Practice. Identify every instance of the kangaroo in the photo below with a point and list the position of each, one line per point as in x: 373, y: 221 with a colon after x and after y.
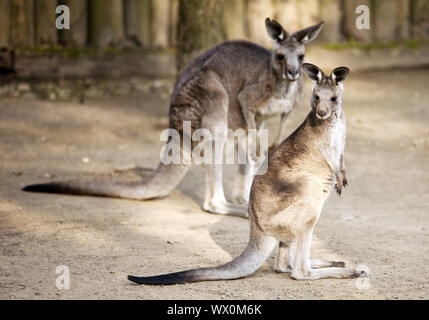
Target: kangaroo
x: 286, y: 202
x: 237, y: 84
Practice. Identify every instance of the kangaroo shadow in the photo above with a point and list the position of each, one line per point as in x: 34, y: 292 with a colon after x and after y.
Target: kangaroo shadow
x: 231, y: 234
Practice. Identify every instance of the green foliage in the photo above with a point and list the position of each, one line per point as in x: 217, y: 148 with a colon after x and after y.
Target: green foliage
x: 352, y: 44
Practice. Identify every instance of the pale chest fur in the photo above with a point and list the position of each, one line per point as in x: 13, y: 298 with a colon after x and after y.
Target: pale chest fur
x: 337, y: 139
x: 330, y: 142
x: 331, y: 145
x: 282, y: 102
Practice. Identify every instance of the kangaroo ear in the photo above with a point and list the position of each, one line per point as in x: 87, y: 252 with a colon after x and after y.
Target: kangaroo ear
x: 313, y: 72
x: 308, y: 34
x: 339, y: 74
x: 275, y: 30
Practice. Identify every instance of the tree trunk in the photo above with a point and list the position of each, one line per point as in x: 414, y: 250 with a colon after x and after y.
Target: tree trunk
x: 172, y: 31
x: 234, y: 24
x: 160, y: 23
x: 138, y: 19
x: 22, y: 23
x: 257, y: 11
x: 308, y: 13
x: 200, y: 27
x: 45, y: 16
x: 295, y: 15
x: 107, y: 23
x: 4, y: 23
x: 403, y: 19
x: 287, y: 15
x: 420, y: 19
x: 77, y: 35
x: 386, y: 20
x: 349, y: 26
x: 331, y: 14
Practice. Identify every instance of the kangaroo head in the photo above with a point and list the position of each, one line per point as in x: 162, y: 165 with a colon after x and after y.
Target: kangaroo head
x: 327, y: 90
x: 289, y: 50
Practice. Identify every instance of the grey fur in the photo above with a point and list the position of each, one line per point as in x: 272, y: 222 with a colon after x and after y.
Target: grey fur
x: 237, y: 84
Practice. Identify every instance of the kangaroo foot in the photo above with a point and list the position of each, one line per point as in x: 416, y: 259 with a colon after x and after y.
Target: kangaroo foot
x: 226, y: 208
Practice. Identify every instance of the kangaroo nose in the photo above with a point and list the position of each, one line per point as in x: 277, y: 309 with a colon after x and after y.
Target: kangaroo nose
x: 321, y: 113
x: 292, y: 73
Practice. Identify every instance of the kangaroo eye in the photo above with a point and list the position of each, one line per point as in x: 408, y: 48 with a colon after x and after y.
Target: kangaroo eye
x: 280, y: 56
x: 316, y: 97
x: 334, y: 99
x: 301, y: 57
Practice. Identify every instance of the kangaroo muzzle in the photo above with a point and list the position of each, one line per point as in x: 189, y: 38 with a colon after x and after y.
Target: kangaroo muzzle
x: 322, y: 113
x: 292, y: 73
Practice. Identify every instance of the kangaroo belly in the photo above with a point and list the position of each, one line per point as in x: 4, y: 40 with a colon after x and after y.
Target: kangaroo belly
x: 294, y: 199
x: 282, y: 102
x: 272, y: 107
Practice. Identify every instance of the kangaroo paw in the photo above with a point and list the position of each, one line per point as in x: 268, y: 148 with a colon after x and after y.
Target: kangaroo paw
x: 338, y: 189
x: 345, y: 182
x: 283, y: 269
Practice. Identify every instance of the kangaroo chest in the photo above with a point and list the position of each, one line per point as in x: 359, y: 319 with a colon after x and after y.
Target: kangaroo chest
x: 337, y: 139
x: 281, y: 102
x: 331, y: 146
x: 330, y: 143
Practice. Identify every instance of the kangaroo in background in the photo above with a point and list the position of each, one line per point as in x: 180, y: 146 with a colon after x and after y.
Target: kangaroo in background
x: 237, y: 84
x: 286, y: 202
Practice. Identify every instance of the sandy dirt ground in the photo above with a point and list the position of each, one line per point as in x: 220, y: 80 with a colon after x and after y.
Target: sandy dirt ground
x: 380, y: 222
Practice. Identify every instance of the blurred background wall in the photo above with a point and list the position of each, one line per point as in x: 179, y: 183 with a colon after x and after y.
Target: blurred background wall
x: 153, y: 24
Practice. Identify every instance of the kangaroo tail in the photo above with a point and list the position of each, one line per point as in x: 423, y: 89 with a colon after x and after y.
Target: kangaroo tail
x: 160, y: 184
x: 247, y: 263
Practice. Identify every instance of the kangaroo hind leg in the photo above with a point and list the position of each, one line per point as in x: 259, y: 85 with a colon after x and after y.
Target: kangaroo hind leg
x: 246, y: 171
x: 215, y: 120
x: 319, y: 263
x: 282, y: 264
x: 302, y: 269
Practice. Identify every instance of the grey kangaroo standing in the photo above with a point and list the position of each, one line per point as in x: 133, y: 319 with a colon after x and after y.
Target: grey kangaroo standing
x: 237, y: 84
x: 286, y: 202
